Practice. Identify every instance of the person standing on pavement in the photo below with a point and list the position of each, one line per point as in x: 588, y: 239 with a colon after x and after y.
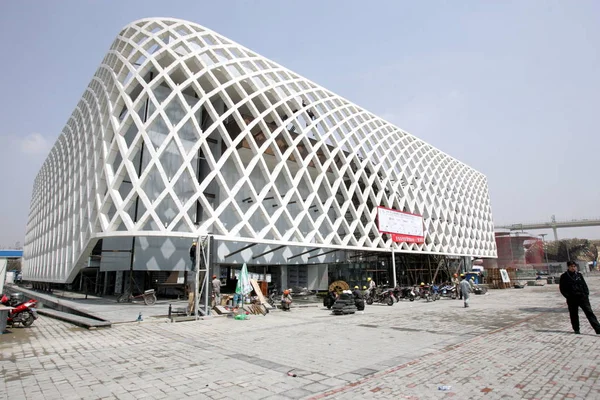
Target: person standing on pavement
x: 456, y: 283
x: 216, y: 288
x: 573, y: 287
x: 465, y: 289
x: 193, y: 255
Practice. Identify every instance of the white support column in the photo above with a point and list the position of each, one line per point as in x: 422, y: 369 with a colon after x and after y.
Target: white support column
x: 394, y: 267
x: 3, y: 264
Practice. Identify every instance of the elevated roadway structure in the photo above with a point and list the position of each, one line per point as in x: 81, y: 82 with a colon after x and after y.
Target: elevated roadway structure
x: 553, y: 224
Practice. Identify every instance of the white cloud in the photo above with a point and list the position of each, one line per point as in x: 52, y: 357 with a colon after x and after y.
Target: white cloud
x: 34, y: 143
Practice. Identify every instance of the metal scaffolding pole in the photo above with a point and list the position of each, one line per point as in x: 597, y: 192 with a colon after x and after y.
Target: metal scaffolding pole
x: 202, y: 265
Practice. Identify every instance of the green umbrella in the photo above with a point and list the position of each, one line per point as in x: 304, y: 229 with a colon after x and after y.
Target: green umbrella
x: 243, y: 286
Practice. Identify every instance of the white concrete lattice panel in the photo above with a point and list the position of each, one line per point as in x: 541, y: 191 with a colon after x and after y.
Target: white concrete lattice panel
x: 182, y: 131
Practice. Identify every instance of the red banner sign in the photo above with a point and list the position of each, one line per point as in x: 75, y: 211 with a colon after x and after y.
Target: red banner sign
x: 396, y: 237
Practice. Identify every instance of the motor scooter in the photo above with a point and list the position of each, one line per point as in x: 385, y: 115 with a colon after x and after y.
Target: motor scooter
x: 23, y: 312
x: 381, y: 295
x: 448, y: 290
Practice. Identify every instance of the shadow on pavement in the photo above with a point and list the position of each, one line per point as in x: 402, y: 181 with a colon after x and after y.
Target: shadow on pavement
x: 554, y: 310
x: 565, y: 332
x: 553, y: 331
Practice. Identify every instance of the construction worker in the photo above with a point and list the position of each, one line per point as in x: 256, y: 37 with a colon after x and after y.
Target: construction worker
x: 286, y: 300
x: 456, y: 282
x: 372, y: 284
x: 357, y: 293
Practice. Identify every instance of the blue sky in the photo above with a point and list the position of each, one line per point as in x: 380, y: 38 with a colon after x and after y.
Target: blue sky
x: 510, y: 87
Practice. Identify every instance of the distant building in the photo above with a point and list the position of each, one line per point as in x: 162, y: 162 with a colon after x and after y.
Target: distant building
x: 516, y: 249
x: 6, y: 255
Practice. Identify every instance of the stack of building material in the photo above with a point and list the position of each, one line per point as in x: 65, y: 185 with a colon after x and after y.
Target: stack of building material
x: 494, y: 278
x: 255, y: 309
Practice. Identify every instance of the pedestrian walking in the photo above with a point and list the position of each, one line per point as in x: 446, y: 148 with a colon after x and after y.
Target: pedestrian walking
x: 573, y: 287
x: 462, y: 277
x: 465, y: 290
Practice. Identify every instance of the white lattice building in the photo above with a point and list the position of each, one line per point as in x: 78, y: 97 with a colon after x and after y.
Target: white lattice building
x: 183, y: 131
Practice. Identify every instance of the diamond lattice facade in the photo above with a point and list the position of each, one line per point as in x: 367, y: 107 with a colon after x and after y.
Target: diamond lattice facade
x: 182, y: 131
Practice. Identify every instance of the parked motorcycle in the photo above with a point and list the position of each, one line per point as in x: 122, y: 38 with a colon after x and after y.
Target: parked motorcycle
x: 430, y: 292
x: 274, y: 296
x: 417, y: 292
x: 435, y: 290
x: 385, y: 296
x: 448, y: 290
x: 23, y: 312
x: 404, y: 293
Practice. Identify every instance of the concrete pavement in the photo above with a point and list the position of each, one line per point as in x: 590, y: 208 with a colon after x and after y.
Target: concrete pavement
x: 514, y: 343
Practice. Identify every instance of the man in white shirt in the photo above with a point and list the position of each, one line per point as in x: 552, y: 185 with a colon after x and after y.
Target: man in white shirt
x: 465, y: 289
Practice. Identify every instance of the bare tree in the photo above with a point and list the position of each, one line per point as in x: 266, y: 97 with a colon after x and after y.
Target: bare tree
x: 574, y: 249
x: 13, y: 264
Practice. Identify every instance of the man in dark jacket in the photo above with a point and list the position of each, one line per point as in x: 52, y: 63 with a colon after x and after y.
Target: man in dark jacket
x: 193, y: 255
x: 573, y: 287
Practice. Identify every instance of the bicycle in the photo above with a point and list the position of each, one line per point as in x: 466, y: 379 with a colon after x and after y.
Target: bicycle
x: 148, y: 296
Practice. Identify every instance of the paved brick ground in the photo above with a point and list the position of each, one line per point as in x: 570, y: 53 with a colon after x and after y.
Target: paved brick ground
x: 509, y: 344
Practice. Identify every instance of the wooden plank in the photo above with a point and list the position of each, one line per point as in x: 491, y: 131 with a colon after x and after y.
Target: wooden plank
x: 190, y: 303
x: 183, y: 318
x: 222, y: 310
x: 259, y: 293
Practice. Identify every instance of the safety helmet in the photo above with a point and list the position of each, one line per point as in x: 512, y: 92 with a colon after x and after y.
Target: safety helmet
x: 472, y: 278
x: 214, y: 277
x: 422, y: 283
x: 355, y: 287
x: 368, y: 279
x: 462, y: 274
x: 364, y: 287
x: 286, y: 291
